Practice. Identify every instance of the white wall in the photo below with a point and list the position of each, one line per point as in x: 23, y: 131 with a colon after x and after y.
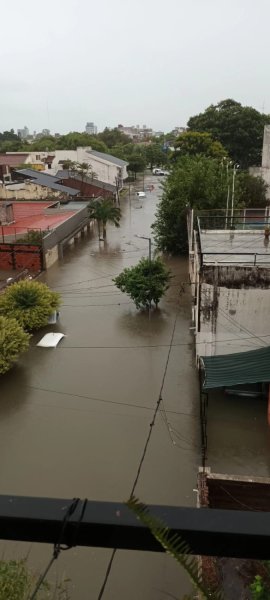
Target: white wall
x: 105, y: 170
x: 241, y: 317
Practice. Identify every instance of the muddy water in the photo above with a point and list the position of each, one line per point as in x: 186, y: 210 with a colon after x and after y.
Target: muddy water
x: 74, y: 420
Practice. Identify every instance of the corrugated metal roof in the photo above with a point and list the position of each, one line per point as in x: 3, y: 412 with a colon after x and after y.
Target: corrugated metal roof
x: 65, y: 174
x: 48, y: 181
x: 235, y: 369
x: 109, y: 158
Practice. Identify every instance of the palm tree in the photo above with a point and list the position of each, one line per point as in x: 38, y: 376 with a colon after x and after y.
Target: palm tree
x: 104, y: 210
x: 84, y: 170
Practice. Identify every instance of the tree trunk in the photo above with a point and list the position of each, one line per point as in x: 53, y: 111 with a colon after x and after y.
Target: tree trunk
x: 104, y: 230
x: 98, y: 224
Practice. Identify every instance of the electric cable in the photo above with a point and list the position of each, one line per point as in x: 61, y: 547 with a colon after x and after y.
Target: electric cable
x: 152, y: 423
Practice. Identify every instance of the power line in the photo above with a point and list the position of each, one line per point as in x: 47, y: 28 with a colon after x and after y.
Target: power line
x: 103, y: 400
x: 107, y: 574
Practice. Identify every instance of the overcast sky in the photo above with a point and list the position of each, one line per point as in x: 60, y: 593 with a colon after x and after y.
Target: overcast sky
x: 154, y: 62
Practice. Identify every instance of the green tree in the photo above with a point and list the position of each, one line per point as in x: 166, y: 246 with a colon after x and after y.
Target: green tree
x: 145, y: 283
x: 74, y: 140
x: 83, y: 170
x: 195, y: 182
x: 136, y: 164
x: 251, y: 191
x: 239, y: 128
x: 113, y: 137
x: 194, y: 142
x: 30, y: 302
x: 155, y: 155
x: 13, y: 341
x: 104, y: 211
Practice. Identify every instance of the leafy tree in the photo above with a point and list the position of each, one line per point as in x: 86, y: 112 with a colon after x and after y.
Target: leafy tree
x: 137, y: 164
x: 13, y: 341
x: 74, y: 139
x: 113, y: 137
x: 104, y: 211
x: 239, y: 128
x: 30, y: 302
x: 145, y: 283
x: 194, y: 142
x: 251, y: 191
x: 44, y: 144
x: 195, y: 182
x: 155, y: 155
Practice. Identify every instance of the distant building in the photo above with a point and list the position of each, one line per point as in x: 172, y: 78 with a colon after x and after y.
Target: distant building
x: 136, y: 133
x: 23, y: 133
x: 91, y: 128
x: 179, y: 130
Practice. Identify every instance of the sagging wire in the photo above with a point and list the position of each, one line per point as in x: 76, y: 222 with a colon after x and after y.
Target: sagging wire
x: 58, y: 547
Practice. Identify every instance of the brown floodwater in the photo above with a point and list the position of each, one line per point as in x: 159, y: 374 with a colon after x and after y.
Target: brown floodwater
x: 74, y: 420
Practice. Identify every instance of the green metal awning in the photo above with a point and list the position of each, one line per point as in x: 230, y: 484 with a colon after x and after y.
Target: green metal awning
x: 234, y: 369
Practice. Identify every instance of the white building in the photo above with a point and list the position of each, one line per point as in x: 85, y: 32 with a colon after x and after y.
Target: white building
x: 107, y: 168
x: 91, y: 128
x: 23, y: 133
x: 230, y: 282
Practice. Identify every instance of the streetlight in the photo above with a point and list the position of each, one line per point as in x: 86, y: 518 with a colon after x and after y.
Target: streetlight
x: 235, y: 167
x: 142, y: 237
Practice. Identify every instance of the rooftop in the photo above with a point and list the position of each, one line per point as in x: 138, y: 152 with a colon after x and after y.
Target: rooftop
x: 246, y: 247
x: 109, y: 158
x: 47, y: 180
x: 32, y: 215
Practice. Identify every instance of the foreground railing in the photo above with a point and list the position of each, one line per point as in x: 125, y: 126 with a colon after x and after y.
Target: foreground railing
x: 212, y: 532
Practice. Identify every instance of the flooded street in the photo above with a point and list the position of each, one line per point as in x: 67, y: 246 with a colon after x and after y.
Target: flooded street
x: 75, y: 420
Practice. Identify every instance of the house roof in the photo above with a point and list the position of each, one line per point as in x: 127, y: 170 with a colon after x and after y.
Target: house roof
x: 109, y: 158
x: 235, y: 369
x: 49, y: 181
x: 65, y: 174
x: 13, y: 160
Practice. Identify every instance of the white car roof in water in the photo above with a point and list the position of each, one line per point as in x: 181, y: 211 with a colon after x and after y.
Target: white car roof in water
x: 50, y: 340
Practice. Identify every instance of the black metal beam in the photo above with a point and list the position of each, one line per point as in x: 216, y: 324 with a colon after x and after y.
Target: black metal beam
x: 213, y: 532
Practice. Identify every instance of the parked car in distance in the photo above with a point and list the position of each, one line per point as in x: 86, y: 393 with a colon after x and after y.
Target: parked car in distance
x: 141, y: 194
x: 160, y: 172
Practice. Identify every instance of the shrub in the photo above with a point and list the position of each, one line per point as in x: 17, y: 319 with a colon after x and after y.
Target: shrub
x: 13, y: 341
x: 145, y: 282
x: 30, y: 302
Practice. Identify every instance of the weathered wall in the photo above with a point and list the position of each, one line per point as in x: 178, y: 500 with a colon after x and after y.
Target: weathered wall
x: 21, y: 256
x: 6, y: 213
x: 51, y: 256
x: 28, y: 191
x: 232, y: 319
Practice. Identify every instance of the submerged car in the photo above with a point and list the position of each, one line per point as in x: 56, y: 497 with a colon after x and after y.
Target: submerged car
x: 141, y: 194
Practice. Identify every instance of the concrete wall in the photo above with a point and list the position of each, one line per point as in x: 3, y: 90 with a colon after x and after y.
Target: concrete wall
x: 28, y: 191
x: 232, y: 320
x: 65, y: 229
x: 105, y: 171
x: 51, y: 257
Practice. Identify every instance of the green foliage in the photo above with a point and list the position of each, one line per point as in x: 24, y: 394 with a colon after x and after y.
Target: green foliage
x: 113, y: 137
x: 195, y: 182
x: 173, y: 545
x: 137, y: 163
x: 30, y: 302
x: 194, y: 142
x: 259, y: 591
x: 104, y: 211
x: 17, y: 582
x: 155, y: 156
x: 251, y: 191
x: 13, y: 341
x: 239, y: 128
x: 33, y: 236
x: 145, y: 282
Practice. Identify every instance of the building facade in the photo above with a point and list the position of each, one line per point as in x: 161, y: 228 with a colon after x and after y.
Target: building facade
x: 91, y: 128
